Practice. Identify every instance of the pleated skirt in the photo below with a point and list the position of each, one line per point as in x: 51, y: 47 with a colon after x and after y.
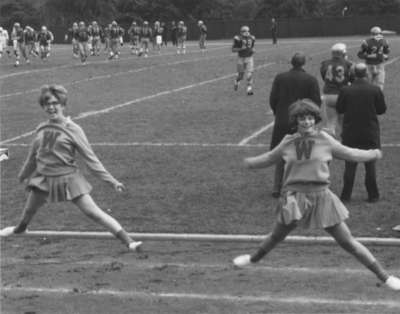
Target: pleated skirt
x: 311, y: 210
x: 61, y: 188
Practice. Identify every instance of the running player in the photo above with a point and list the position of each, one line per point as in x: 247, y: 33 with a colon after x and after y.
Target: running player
x: 31, y: 44
x: 96, y: 33
x: 336, y: 73
x: 307, y: 199
x: 51, y: 172
x: 181, y: 34
x: 375, y: 51
x: 158, y: 32
x: 44, y: 38
x: 73, y: 34
x: 146, y: 34
x: 82, y: 38
x: 203, y: 35
x: 243, y: 44
x: 17, y: 37
x: 134, y: 37
x: 116, y: 33
x: 3, y: 41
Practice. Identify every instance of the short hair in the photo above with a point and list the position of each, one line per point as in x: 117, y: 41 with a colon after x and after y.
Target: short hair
x: 360, y: 70
x: 298, y: 60
x: 303, y: 107
x: 58, y: 91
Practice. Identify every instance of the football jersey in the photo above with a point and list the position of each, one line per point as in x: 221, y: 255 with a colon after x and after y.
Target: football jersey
x: 203, y: 29
x: 374, y: 50
x: 44, y: 38
x: 116, y: 32
x: 246, y: 42
x: 336, y: 73
x: 30, y: 36
x: 95, y: 31
x: 182, y: 31
x: 146, y: 32
x: 83, y: 34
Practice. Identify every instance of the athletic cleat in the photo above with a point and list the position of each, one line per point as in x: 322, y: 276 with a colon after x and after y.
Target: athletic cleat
x: 250, y: 91
x: 242, y: 260
x: 393, y: 283
x: 235, y: 85
x: 7, y: 231
x: 135, y: 246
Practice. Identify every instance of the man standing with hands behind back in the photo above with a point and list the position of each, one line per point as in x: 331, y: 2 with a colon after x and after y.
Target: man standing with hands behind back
x: 286, y: 88
x: 360, y: 104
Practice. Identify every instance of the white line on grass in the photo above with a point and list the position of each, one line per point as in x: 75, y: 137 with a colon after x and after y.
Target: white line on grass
x: 138, y: 100
x: 175, y: 144
x: 301, y: 300
x: 246, y: 140
x: 216, y: 266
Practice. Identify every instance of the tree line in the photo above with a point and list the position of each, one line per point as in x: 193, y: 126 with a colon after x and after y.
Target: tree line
x: 63, y: 13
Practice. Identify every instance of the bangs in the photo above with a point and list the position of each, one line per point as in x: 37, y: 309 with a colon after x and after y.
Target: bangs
x: 302, y: 108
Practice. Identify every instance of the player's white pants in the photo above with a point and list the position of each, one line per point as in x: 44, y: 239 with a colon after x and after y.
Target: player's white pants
x: 331, y: 120
x: 376, y: 74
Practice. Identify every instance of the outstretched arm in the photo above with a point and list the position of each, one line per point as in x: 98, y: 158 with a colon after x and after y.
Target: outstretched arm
x: 270, y: 158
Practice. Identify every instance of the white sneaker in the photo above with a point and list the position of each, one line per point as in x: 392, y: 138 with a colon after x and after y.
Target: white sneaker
x: 396, y: 228
x: 135, y: 245
x: 249, y: 91
x: 393, y: 283
x: 7, y: 231
x: 242, y: 260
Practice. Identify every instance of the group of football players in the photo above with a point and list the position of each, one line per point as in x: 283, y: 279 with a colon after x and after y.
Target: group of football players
x: 26, y: 42
x: 87, y: 40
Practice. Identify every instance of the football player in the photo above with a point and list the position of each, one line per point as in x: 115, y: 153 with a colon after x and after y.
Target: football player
x: 181, y: 33
x: 134, y: 36
x: 158, y: 31
x: 96, y: 33
x: 116, y: 33
x: 30, y: 43
x: 375, y: 51
x: 243, y: 44
x: 73, y: 35
x: 335, y: 72
x: 17, y: 37
x: 44, y: 38
x: 203, y: 35
x: 146, y: 33
x: 83, y: 38
x: 3, y: 40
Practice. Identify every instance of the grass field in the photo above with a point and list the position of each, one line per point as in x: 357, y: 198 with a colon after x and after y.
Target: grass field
x: 174, y: 131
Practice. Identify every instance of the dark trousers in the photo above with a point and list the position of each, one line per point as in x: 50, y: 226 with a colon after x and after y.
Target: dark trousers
x: 278, y: 176
x: 370, y: 180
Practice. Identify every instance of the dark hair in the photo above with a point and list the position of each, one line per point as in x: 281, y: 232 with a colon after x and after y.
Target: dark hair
x: 298, y: 60
x: 303, y: 107
x: 57, y: 91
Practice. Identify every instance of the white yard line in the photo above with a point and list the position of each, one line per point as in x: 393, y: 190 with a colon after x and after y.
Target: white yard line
x: 177, y: 144
x: 138, y: 100
x: 246, y: 140
x: 301, y: 300
x: 9, y: 261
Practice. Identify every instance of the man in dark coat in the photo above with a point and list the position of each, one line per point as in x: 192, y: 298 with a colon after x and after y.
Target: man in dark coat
x: 288, y: 87
x: 360, y: 104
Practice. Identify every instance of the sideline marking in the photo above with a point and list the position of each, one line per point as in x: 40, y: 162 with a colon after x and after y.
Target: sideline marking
x: 160, y: 265
x: 256, y: 134
x: 137, y: 100
x: 176, y: 144
x: 303, y: 300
